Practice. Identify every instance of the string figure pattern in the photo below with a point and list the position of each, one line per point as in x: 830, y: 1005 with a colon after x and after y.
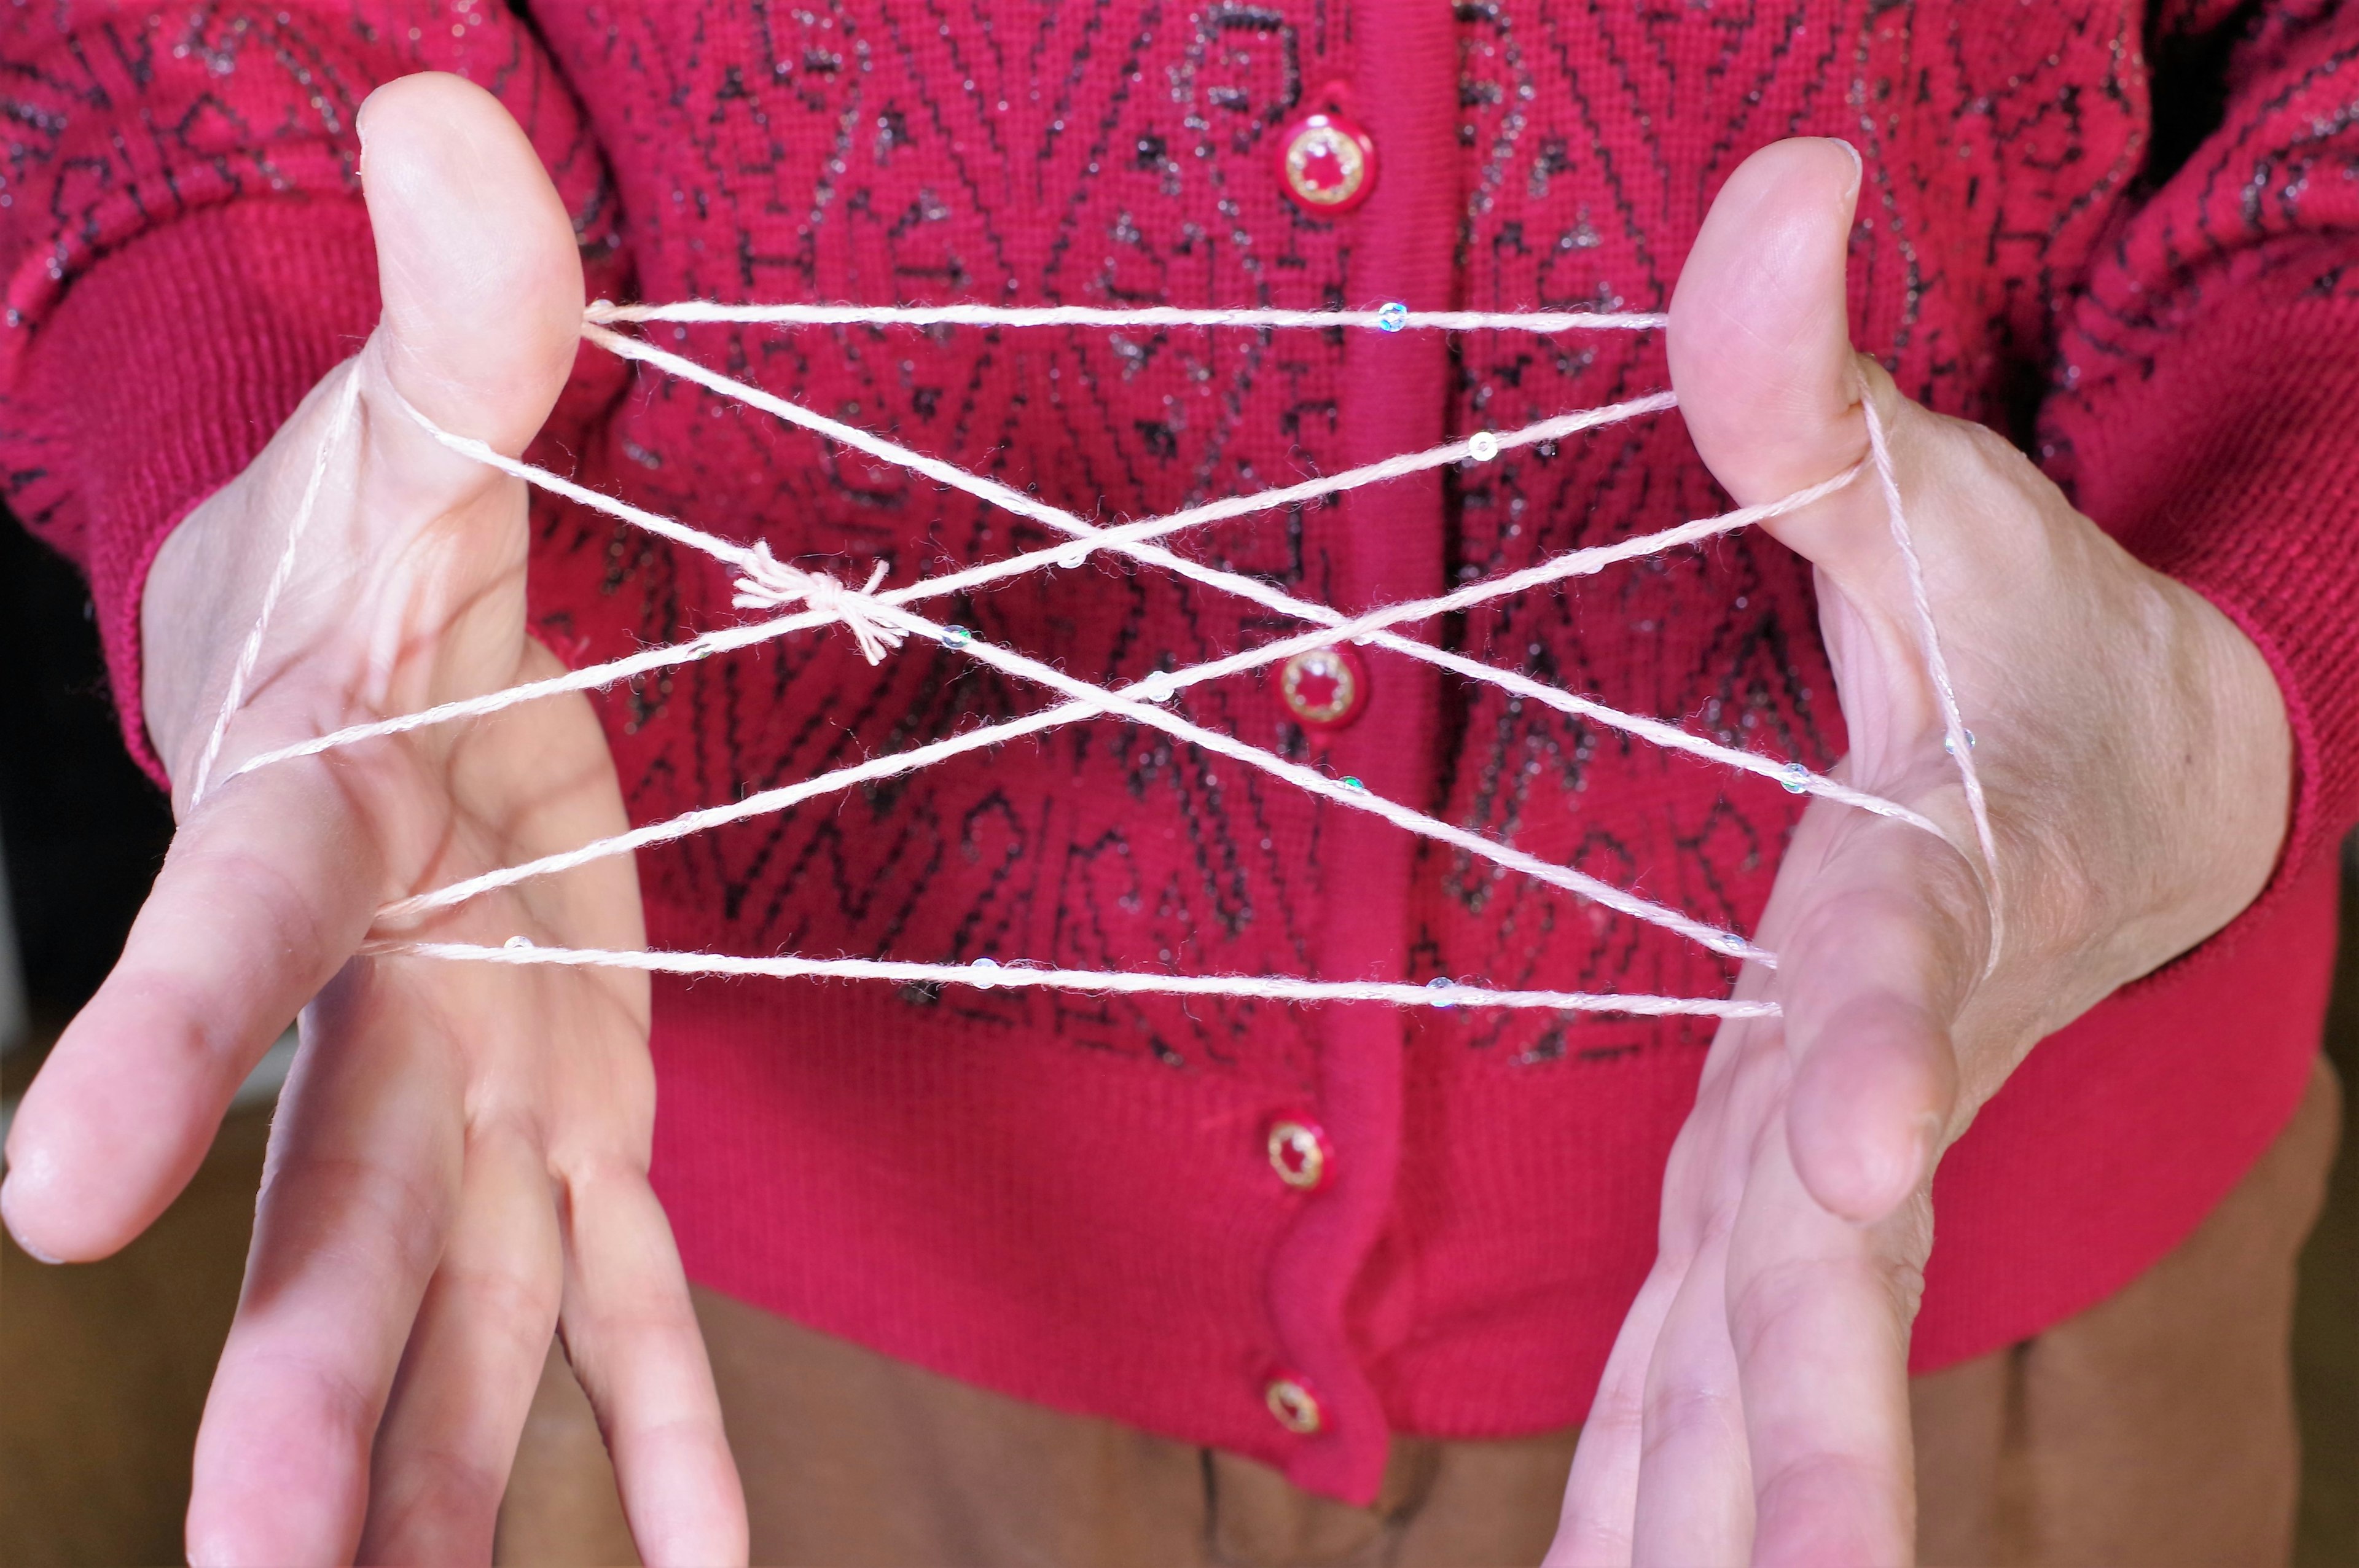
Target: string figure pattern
x: 882, y: 620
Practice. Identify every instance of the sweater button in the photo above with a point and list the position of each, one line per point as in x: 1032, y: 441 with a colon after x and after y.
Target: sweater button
x: 1324, y: 688
x: 1299, y: 1154
x: 1326, y: 163
x: 1292, y: 1403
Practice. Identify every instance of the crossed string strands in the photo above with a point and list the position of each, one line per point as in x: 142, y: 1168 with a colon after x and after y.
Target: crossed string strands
x: 881, y: 622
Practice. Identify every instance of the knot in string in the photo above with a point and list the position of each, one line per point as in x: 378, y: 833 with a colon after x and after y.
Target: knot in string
x: 770, y: 583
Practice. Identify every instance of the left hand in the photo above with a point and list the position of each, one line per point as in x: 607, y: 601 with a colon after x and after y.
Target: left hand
x: 2134, y: 748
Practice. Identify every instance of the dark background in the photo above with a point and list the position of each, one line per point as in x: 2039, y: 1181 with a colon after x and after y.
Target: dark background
x: 103, y: 1368
x: 82, y: 829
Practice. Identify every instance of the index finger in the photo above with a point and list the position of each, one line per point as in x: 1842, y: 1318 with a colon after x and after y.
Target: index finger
x: 264, y: 894
x: 1818, y: 1312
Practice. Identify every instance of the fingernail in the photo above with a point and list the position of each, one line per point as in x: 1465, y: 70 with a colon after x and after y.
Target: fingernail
x: 17, y: 1236
x: 1858, y: 165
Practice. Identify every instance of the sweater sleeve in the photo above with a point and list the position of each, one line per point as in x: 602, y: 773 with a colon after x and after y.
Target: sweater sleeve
x: 2208, y: 371
x: 185, y: 252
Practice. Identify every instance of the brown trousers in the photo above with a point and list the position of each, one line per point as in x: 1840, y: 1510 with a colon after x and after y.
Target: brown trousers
x: 2155, y: 1428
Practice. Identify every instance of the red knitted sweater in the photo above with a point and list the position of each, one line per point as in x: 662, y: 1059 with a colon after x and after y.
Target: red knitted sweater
x: 2125, y: 238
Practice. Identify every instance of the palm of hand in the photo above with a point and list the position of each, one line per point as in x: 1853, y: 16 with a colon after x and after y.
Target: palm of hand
x: 425, y: 1235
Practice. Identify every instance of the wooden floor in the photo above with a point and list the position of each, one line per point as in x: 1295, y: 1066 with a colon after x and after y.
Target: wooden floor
x: 103, y: 1368
x: 2326, y: 1322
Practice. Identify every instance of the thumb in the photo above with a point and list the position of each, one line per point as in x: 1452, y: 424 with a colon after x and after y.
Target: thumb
x: 1759, y: 348
x: 480, y: 277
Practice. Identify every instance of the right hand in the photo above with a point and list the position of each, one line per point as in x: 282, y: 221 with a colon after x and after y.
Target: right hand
x: 459, y: 1164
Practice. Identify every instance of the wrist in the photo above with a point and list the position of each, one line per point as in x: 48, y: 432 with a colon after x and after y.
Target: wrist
x: 163, y: 370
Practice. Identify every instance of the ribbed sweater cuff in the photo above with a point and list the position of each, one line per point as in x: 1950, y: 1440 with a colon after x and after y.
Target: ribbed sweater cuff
x: 2233, y: 467
x: 167, y: 366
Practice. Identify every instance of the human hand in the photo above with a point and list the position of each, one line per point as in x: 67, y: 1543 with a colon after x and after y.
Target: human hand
x: 2136, y: 758
x: 459, y: 1161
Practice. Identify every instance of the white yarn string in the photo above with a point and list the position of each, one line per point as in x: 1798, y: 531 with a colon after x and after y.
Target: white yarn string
x: 1316, y: 783
x: 589, y: 678
x: 1262, y: 593
x: 1953, y: 723
x: 877, y: 625
x: 242, y: 674
x: 1127, y: 702
x: 1014, y: 976
x: 956, y: 582
x: 767, y: 582
x: 1369, y: 627
x: 1273, y: 599
x: 603, y: 311
x: 1417, y: 822
x: 1009, y: 499
x: 1117, y: 537
x: 1312, y: 782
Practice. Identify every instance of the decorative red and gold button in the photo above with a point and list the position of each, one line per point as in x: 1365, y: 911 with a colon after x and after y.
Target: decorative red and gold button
x: 1325, y: 688
x: 1298, y: 1153
x: 1292, y: 1404
x: 1326, y: 163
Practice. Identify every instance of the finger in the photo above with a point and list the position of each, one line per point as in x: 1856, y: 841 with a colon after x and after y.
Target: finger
x: 1695, y: 1484
x: 475, y: 1353
x: 1818, y: 1312
x: 1777, y: 401
x: 1760, y: 355
x: 630, y: 1335
x: 260, y: 900
x: 1598, y: 1522
x: 476, y: 259
x: 1703, y: 1179
x: 1759, y: 343
x: 1875, y: 966
x: 363, y: 1175
x: 1693, y: 1493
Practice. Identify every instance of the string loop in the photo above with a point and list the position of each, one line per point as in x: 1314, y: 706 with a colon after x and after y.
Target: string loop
x: 879, y: 624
